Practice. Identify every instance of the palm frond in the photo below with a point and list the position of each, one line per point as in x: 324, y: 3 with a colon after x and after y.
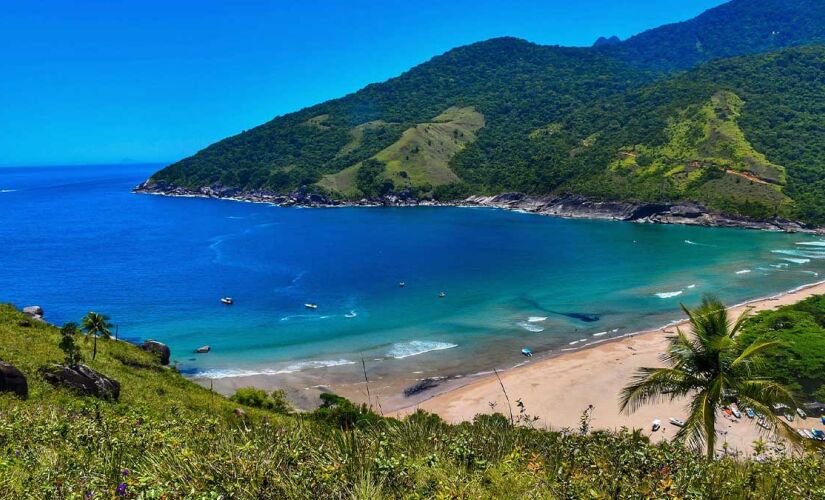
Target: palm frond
x: 654, y: 385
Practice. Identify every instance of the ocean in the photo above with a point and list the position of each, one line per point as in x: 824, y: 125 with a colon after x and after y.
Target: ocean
x: 75, y: 239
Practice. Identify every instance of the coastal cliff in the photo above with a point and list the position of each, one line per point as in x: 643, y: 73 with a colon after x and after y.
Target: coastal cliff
x: 569, y: 206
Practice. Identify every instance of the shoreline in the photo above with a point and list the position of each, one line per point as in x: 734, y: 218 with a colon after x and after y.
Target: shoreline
x: 559, y: 388
x: 389, y: 393
x: 563, y: 206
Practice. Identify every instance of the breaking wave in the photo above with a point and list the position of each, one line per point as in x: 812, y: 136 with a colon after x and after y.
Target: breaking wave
x: 403, y: 350
x: 667, y: 295
x: 531, y: 327
x: 536, y: 319
x: 295, y: 367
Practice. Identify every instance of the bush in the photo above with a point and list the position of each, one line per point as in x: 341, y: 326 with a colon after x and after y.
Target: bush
x: 258, y: 398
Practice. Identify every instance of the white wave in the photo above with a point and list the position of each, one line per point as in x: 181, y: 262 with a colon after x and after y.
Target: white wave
x: 351, y: 314
x: 781, y: 265
x: 305, y: 316
x: 295, y: 367
x: 812, y: 273
x: 667, y: 295
x: 530, y: 327
x: 796, y: 261
x: 403, y: 350
x: 692, y: 286
x: 743, y: 271
x: 536, y: 319
x: 7, y: 190
x: 599, y: 334
x: 812, y: 243
x: 574, y: 342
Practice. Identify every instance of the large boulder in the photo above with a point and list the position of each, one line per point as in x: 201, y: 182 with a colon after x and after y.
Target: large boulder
x: 158, y: 348
x: 82, y: 379
x: 13, y: 380
x: 34, y: 312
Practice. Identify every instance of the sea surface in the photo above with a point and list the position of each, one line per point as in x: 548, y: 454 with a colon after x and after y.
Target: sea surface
x: 75, y: 239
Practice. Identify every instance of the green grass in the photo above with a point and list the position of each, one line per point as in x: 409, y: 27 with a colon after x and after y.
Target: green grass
x: 168, y: 438
x: 421, y: 156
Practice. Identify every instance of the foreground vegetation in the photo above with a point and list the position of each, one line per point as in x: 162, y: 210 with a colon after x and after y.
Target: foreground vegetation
x: 168, y: 438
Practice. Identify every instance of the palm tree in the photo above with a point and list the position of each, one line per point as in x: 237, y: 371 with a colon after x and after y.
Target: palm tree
x: 710, y: 366
x: 96, y: 324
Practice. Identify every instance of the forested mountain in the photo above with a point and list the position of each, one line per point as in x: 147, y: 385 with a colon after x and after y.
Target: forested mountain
x: 617, y: 121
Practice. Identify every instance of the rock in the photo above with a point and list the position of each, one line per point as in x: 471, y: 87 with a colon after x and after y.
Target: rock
x: 33, y: 311
x: 239, y: 413
x: 82, y: 379
x: 13, y: 380
x: 24, y: 323
x: 158, y: 348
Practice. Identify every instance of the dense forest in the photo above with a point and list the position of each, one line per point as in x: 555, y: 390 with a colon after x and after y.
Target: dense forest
x: 632, y: 120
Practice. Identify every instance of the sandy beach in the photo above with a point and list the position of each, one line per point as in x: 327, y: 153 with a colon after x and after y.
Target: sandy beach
x: 558, y: 390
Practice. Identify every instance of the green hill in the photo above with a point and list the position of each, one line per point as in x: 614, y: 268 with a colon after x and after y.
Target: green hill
x: 534, y: 104
x: 169, y: 438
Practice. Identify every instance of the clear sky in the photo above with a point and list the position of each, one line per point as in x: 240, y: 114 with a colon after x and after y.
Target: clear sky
x: 96, y: 81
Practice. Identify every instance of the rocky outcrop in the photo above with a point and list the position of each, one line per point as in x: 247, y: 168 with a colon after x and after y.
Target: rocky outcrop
x: 34, y: 312
x: 160, y: 349
x: 13, y: 380
x: 575, y: 206
x: 83, y: 380
x: 572, y: 206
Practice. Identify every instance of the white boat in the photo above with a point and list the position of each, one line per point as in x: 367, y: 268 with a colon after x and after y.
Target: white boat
x: 677, y: 422
x: 402, y: 284
x: 441, y: 295
x: 350, y: 314
x: 203, y: 349
x: 311, y: 306
x: 657, y: 424
x: 801, y: 413
x: 227, y: 300
x: 527, y: 352
x: 735, y: 410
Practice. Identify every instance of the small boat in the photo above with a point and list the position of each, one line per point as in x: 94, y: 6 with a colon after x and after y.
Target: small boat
x: 677, y: 422
x: 203, y: 349
x: 818, y: 434
x: 735, y: 410
x: 657, y: 424
x: 527, y: 352
x: 441, y: 295
x: 227, y: 300
x: 789, y: 417
x: 351, y: 314
x: 402, y: 284
x: 749, y: 412
x: 801, y: 413
x: 311, y: 306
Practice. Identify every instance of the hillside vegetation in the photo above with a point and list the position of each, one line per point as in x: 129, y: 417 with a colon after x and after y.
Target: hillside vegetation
x: 741, y: 135
x: 169, y: 438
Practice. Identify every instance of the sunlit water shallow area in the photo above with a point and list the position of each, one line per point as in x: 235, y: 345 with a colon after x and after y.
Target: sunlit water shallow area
x: 75, y: 239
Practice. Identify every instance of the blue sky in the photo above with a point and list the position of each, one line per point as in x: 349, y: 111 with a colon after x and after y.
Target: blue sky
x: 98, y: 81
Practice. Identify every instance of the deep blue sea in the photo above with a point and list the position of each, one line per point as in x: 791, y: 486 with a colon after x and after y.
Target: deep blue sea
x: 74, y: 239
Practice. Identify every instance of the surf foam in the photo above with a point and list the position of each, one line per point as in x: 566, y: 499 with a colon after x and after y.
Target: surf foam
x: 403, y: 350
x: 667, y: 295
x: 531, y: 327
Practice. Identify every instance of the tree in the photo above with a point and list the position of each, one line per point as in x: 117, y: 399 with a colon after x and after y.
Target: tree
x: 67, y: 345
x: 710, y: 367
x: 96, y: 324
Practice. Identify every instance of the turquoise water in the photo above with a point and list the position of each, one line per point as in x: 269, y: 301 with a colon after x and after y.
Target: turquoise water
x: 75, y: 239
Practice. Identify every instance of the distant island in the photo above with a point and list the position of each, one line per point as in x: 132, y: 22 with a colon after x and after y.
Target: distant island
x: 726, y: 120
